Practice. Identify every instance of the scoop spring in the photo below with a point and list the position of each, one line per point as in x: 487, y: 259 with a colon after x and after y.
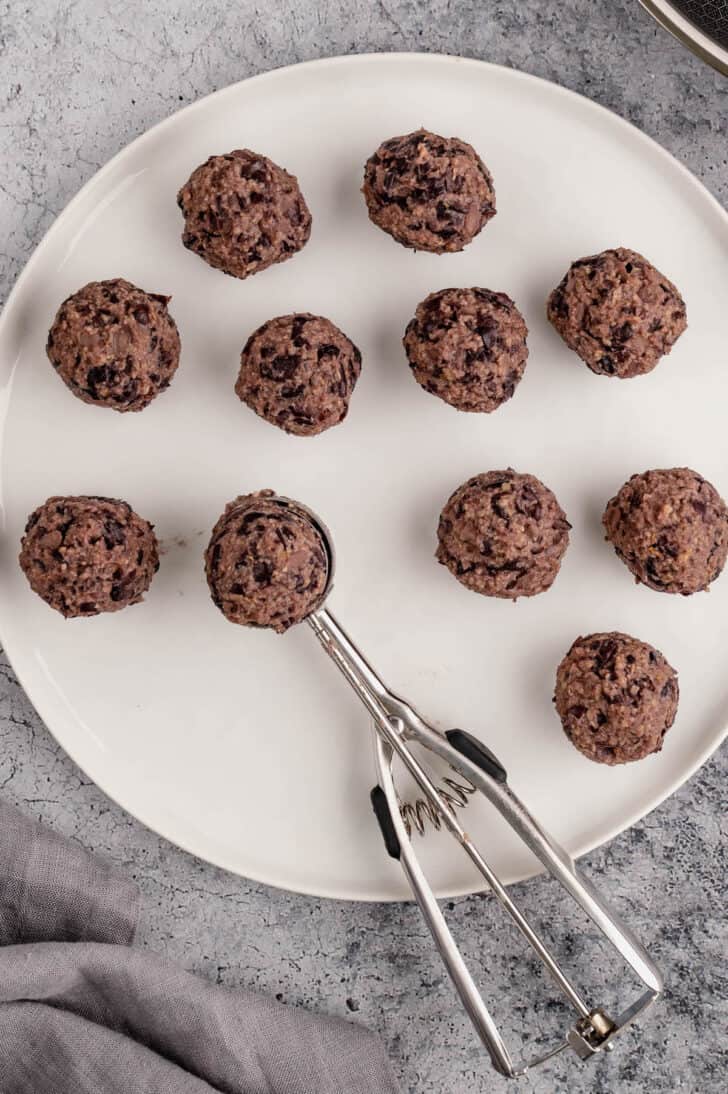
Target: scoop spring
x: 453, y: 792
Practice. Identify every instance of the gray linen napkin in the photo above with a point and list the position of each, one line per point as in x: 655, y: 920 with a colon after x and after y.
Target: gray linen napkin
x: 81, y: 1012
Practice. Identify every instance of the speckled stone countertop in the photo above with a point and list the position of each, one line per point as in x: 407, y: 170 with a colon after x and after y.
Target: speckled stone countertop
x: 78, y: 80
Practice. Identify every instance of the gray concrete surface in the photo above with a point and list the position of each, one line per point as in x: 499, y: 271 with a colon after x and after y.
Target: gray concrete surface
x: 78, y: 80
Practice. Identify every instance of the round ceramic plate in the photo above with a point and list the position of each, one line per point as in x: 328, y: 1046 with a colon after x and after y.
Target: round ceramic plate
x: 245, y: 747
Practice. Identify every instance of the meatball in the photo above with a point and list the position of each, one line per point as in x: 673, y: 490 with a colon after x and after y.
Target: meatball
x: 616, y: 697
x: 266, y: 563
x: 670, y: 528
x: 114, y: 345
x: 503, y: 534
x: 430, y: 193
x: 618, y: 312
x: 243, y: 213
x: 298, y: 372
x: 468, y: 347
x: 86, y: 555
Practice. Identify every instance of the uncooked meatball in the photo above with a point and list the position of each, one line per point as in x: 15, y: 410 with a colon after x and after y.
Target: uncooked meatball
x: 298, y: 372
x: 503, y: 534
x: 616, y: 697
x: 114, y: 345
x: 670, y: 527
x: 468, y: 347
x: 618, y: 312
x: 266, y: 563
x: 428, y: 192
x: 243, y: 213
x: 86, y: 555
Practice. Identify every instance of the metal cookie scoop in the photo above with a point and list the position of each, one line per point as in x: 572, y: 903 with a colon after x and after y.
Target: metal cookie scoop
x: 397, y: 724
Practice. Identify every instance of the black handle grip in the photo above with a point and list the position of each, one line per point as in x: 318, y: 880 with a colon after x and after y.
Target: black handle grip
x: 380, y: 805
x: 475, y: 751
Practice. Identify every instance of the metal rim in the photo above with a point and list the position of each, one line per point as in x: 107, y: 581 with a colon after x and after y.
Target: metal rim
x: 668, y: 16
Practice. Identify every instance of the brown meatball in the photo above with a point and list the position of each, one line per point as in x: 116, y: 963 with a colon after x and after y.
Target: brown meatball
x: 298, y: 372
x: 503, y: 534
x: 618, y: 312
x: 670, y: 527
x: 266, y: 563
x: 468, y: 347
x: 85, y: 555
x: 428, y: 192
x: 616, y: 697
x: 114, y: 345
x: 243, y: 213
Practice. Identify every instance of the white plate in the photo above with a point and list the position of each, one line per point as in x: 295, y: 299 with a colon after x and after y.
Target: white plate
x: 244, y: 747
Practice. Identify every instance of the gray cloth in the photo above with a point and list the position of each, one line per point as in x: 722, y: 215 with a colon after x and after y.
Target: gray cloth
x: 82, y: 1012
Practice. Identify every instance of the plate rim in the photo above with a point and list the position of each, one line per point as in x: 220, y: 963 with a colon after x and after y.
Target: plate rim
x: 353, y: 59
